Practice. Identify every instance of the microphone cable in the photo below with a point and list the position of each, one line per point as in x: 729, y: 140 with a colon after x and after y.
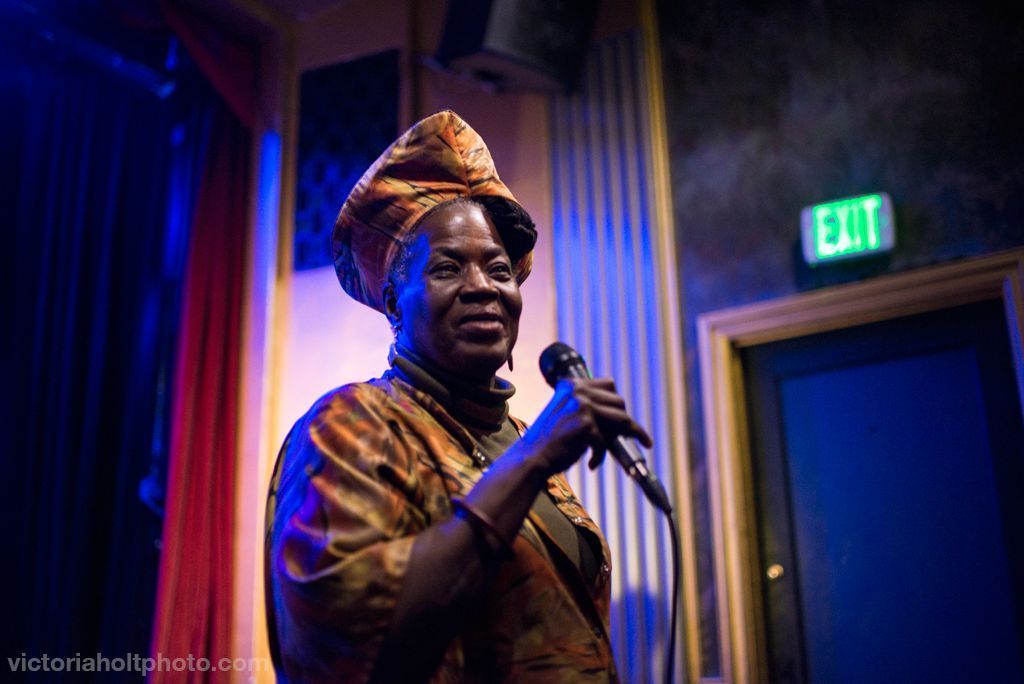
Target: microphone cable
x: 670, y: 656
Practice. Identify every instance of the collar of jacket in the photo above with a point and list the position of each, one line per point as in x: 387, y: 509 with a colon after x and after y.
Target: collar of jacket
x: 483, y: 407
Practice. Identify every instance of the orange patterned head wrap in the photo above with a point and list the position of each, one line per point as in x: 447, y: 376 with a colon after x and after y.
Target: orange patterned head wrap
x: 439, y: 159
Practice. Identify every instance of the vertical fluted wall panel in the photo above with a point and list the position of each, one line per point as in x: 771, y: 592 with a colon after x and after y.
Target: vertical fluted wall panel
x: 607, y: 291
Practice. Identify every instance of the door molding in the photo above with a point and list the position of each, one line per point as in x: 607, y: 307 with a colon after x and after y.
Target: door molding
x: 722, y: 334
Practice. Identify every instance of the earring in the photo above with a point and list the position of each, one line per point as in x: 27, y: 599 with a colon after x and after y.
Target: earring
x: 510, y: 362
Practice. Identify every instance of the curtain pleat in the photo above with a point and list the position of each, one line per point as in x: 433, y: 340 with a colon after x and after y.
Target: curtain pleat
x: 193, y: 614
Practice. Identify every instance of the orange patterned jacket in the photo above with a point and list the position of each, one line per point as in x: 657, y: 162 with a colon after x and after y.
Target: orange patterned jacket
x: 366, y: 469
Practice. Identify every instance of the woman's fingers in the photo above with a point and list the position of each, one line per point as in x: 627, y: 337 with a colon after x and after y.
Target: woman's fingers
x: 600, y: 396
x: 615, y: 421
x: 604, y: 397
x: 583, y: 413
x: 641, y: 434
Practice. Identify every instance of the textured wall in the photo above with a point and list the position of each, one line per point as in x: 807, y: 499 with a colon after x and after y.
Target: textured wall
x: 776, y: 105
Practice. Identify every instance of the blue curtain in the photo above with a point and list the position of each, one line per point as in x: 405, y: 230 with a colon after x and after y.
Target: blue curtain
x: 96, y: 183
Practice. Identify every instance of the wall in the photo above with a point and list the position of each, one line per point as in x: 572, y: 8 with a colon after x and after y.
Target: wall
x: 773, y: 106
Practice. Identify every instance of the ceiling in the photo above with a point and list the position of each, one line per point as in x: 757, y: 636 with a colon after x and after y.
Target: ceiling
x: 299, y: 9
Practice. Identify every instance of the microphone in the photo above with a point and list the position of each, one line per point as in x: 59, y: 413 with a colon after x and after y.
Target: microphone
x: 560, y: 361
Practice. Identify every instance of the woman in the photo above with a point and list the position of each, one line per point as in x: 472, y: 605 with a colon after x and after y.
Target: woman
x: 416, y: 532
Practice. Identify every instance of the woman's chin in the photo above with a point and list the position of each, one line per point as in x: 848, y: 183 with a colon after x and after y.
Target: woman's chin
x: 481, y: 361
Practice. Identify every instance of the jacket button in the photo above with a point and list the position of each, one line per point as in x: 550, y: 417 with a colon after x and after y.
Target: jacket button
x: 481, y: 460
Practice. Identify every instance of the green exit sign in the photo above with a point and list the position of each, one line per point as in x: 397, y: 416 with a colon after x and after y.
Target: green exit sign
x: 847, y: 228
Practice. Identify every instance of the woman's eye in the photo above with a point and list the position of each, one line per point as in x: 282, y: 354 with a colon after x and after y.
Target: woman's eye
x: 445, y: 269
x: 501, y: 270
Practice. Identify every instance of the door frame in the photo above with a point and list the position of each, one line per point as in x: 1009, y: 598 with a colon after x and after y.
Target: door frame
x: 722, y: 334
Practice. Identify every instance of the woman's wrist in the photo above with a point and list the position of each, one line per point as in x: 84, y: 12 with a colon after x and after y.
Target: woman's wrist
x: 508, y: 489
x: 532, y: 460
x: 483, y: 525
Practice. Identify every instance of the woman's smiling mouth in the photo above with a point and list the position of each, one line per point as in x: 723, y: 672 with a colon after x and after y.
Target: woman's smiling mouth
x: 483, y: 322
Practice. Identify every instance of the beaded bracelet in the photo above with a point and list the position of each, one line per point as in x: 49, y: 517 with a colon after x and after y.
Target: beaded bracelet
x: 481, y: 521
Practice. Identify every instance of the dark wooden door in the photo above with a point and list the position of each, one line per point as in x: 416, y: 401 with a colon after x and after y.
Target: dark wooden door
x: 889, y: 484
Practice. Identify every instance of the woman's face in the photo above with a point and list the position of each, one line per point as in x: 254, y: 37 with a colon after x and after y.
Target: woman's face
x: 459, y: 305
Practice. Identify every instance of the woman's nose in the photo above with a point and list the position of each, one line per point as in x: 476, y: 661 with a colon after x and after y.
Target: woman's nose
x: 477, y: 282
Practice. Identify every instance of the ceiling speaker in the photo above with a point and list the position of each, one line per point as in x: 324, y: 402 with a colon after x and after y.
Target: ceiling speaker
x: 518, y: 44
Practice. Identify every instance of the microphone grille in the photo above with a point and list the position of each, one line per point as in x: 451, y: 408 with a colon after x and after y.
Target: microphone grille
x: 556, y: 360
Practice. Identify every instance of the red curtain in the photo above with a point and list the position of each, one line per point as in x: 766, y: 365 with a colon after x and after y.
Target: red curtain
x: 195, y: 587
x: 227, y: 62
x: 194, y: 593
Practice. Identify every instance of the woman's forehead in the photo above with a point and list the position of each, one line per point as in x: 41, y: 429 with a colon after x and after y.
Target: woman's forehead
x: 454, y: 217
x: 458, y: 227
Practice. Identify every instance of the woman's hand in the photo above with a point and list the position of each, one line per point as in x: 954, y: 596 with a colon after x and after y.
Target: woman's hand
x: 582, y: 413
